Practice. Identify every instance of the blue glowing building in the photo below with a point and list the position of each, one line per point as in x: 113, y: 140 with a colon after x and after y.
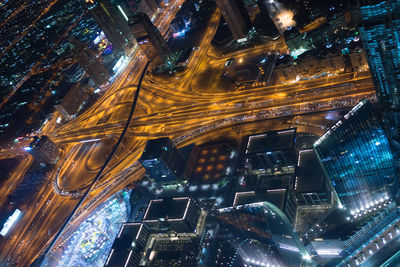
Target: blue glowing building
x: 355, y: 155
x: 380, y: 32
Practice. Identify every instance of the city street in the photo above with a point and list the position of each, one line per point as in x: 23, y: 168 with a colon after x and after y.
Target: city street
x: 175, y: 109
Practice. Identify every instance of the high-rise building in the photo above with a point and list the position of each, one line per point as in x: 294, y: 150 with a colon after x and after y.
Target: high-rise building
x: 265, y: 68
x: 144, y: 7
x: 380, y: 32
x: 355, y: 155
x: 172, y: 250
x: 233, y: 17
x: 268, y: 162
x: 162, y: 161
x: 149, y: 7
x: 310, y: 186
x: 114, y: 23
x: 43, y: 150
x: 263, y: 224
x: 72, y: 101
x: 282, y: 17
x: 137, y: 245
x: 176, y: 214
x: 152, y: 4
x: 88, y: 61
x: 269, y: 159
x: 282, y: 198
x: 128, y: 246
x: 296, y: 41
x: 149, y: 38
x: 190, y: 153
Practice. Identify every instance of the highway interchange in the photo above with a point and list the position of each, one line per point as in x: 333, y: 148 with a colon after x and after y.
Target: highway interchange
x: 165, y: 108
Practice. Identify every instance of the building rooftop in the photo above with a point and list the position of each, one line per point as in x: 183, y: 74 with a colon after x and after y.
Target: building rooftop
x: 168, y: 209
x: 37, y: 141
x: 309, y: 174
x: 274, y: 196
x: 123, y: 244
x: 271, y: 141
x: 212, y: 164
x: 155, y: 148
x: 172, y: 250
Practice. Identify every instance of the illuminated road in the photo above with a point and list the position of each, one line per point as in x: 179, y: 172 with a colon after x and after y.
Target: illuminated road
x: 175, y: 109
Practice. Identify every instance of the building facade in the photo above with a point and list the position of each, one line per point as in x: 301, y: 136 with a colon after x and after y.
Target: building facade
x: 72, y: 101
x: 114, y: 24
x: 233, y: 17
x: 355, y: 155
x: 88, y: 61
x: 179, y: 214
x: 380, y: 33
x: 163, y: 161
x: 310, y: 186
x: 269, y: 159
x: 262, y: 223
x: 149, y: 38
x: 43, y: 150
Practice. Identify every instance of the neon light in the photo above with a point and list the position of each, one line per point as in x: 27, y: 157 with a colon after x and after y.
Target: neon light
x: 276, y: 190
x: 127, y: 260
x: 242, y: 193
x: 327, y: 252
x: 148, y: 208
x: 123, y: 13
x: 298, y: 52
x: 187, y: 206
x: 109, y: 257
x: 289, y: 247
x: 180, y: 198
x: 138, y: 233
x: 97, y: 39
x: 90, y: 140
x: 120, y: 231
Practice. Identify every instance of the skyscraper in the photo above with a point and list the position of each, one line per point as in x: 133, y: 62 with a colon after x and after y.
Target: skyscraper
x: 162, y: 160
x: 88, y: 61
x: 310, y: 186
x: 261, y: 223
x: 114, y: 24
x: 149, y: 38
x: 269, y: 159
x: 233, y: 18
x: 355, y: 155
x: 128, y: 246
x: 380, y: 33
x: 43, y: 150
x: 149, y: 7
x: 72, y: 101
x: 152, y: 4
x: 172, y: 214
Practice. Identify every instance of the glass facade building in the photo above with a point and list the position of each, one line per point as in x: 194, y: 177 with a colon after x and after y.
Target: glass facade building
x: 264, y: 236
x: 355, y: 155
x: 380, y: 32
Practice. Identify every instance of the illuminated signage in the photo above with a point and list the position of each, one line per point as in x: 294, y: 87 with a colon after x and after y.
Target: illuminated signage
x: 119, y: 64
x: 99, y: 38
x: 10, y: 222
